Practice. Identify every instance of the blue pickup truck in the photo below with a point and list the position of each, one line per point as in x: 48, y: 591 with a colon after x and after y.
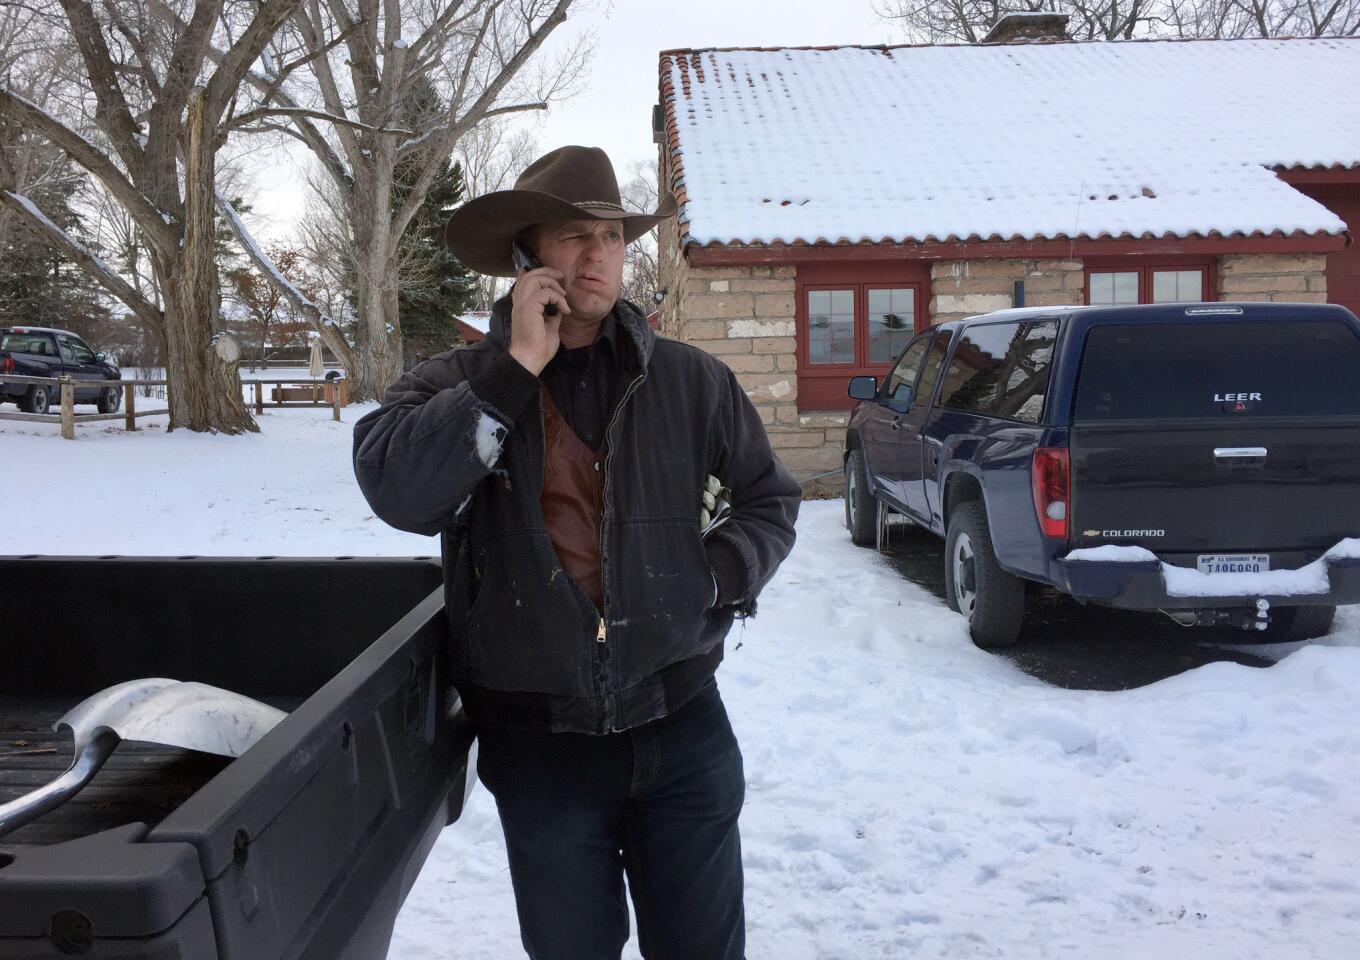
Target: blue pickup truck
x: 50, y: 352
x: 1198, y: 459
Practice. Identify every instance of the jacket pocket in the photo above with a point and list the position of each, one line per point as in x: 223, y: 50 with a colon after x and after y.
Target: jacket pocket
x: 528, y: 630
x: 660, y: 604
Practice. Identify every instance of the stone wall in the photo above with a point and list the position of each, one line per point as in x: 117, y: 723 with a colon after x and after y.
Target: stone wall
x: 1298, y: 277
x: 745, y: 317
x: 964, y: 288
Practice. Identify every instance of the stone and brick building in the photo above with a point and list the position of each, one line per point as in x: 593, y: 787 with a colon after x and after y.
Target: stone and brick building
x: 837, y: 200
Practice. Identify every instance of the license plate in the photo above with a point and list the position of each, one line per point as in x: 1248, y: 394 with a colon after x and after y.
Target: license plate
x: 1234, y: 562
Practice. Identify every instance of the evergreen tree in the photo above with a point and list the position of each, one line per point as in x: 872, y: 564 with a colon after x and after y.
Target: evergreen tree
x: 428, y: 308
x: 38, y: 285
x: 435, y: 287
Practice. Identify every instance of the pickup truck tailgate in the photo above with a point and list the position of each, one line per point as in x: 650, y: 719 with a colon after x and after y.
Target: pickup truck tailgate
x: 1192, y: 488
x: 1218, y: 437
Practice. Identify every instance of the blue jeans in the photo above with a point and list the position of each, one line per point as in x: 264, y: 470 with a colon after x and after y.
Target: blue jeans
x: 658, y: 802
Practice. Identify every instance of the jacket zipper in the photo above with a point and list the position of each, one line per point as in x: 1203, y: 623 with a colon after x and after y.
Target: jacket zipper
x: 604, y: 497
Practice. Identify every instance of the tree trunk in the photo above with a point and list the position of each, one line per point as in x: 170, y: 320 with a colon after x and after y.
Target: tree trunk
x: 377, y: 361
x: 207, y: 389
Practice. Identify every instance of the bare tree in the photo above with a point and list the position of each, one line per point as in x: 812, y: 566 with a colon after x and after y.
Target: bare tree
x: 327, y: 244
x: 494, y: 154
x: 967, y: 21
x: 374, y: 65
x: 161, y: 116
x: 641, y: 267
x: 267, y: 316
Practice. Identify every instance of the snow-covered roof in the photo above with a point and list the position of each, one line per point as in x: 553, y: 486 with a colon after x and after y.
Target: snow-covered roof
x: 479, y: 320
x: 1007, y: 141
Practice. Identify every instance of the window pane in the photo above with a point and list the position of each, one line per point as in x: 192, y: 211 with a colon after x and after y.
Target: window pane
x: 1114, y: 288
x: 930, y: 373
x: 977, y: 366
x: 892, y: 322
x: 904, y: 374
x: 76, y: 352
x: 1177, y: 286
x: 1165, y: 371
x: 1024, y: 381
x: 831, y: 326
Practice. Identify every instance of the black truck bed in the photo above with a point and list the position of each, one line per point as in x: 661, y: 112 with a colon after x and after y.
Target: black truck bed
x: 304, y: 846
x: 139, y: 782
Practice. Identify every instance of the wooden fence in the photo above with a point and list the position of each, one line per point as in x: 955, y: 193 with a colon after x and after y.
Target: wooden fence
x: 331, y: 393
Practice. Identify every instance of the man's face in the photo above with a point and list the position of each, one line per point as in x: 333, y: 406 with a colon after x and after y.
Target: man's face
x: 590, y: 255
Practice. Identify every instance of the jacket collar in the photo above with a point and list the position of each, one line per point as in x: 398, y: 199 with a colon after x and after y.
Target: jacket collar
x: 628, y: 317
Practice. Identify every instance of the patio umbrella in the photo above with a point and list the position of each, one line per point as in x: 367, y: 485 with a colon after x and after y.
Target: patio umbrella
x: 315, y: 366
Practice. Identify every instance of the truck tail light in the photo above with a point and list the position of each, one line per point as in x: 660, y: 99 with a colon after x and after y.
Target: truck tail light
x: 1051, y: 475
x: 7, y: 364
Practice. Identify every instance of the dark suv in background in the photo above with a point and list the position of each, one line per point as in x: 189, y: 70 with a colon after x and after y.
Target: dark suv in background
x: 1198, y: 459
x: 50, y: 352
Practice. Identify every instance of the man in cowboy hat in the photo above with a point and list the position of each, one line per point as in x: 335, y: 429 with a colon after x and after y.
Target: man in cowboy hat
x: 564, y: 460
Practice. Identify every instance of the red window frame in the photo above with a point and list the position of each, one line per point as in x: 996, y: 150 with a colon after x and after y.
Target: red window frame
x: 1146, y: 268
x: 822, y: 386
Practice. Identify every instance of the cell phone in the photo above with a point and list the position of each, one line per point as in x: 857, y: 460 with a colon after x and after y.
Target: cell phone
x: 525, y: 260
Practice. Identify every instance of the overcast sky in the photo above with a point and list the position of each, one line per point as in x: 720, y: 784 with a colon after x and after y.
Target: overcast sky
x: 614, y: 109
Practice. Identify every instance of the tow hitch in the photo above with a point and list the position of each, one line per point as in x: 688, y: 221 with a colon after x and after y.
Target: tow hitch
x: 1244, y: 618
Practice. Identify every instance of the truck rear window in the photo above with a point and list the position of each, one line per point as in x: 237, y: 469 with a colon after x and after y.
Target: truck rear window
x: 1289, y: 368
x: 39, y: 343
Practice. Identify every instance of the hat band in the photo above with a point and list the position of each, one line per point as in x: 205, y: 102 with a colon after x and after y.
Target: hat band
x: 608, y: 205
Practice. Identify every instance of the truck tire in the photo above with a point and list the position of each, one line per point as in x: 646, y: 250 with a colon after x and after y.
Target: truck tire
x: 37, y: 400
x: 975, y: 585
x: 861, y: 507
x: 1296, y: 624
x: 109, y: 400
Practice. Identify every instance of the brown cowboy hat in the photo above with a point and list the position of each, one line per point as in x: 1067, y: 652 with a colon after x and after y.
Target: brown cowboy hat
x: 571, y: 183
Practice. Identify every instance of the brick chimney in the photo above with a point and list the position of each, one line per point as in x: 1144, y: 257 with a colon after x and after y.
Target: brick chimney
x: 1028, y: 28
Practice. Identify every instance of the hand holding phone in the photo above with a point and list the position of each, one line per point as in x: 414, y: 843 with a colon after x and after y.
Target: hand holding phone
x: 525, y: 261
x: 537, y: 304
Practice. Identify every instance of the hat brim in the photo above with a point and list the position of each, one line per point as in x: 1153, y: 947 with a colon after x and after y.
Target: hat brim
x: 480, y: 231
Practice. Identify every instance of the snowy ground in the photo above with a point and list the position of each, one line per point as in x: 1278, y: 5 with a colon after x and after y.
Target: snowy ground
x: 908, y: 794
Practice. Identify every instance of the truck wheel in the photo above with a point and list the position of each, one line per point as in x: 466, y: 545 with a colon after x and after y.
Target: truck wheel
x: 109, y: 400
x: 36, y: 400
x: 1296, y: 624
x: 976, y: 586
x: 861, y: 507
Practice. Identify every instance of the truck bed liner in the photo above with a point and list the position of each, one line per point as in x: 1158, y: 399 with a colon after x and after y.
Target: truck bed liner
x: 304, y: 846
x: 139, y: 782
